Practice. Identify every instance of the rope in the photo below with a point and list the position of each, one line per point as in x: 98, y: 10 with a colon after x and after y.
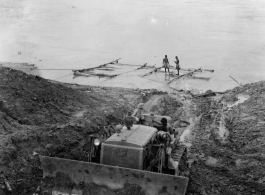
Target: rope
x: 132, y: 64
x: 125, y: 72
x: 63, y: 76
x: 235, y: 80
x: 35, y: 68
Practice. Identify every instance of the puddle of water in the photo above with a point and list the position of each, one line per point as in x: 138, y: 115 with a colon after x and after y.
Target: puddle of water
x: 241, y: 99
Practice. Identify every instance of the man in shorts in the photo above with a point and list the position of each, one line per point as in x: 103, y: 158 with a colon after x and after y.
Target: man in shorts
x: 177, y: 64
x: 166, y: 64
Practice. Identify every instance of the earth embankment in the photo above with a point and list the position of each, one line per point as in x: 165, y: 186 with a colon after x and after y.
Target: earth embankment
x: 224, y: 133
x: 41, y: 117
x: 227, y: 144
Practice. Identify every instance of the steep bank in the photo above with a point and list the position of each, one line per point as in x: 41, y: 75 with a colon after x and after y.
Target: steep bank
x: 49, y: 118
x: 225, y: 136
x: 41, y: 117
x: 227, y: 143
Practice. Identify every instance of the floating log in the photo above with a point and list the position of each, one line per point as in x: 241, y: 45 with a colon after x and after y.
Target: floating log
x: 208, y: 70
x: 235, y: 80
x: 112, y: 76
x: 155, y: 70
x: 147, y: 67
x: 100, y: 66
x: 106, y: 69
x: 115, y: 61
x: 77, y: 73
x: 119, y: 64
x: 191, y: 69
x: 181, y: 76
x: 102, y: 75
x: 202, y: 78
x: 141, y: 67
x: 198, y: 70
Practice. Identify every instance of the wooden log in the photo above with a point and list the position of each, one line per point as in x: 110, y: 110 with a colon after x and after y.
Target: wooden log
x: 77, y: 73
x: 191, y: 69
x: 119, y: 64
x: 202, y: 78
x: 198, y: 70
x: 100, y: 66
x: 181, y: 76
x: 235, y: 80
x: 208, y: 70
x: 148, y: 67
x: 141, y: 67
x: 151, y: 72
x: 106, y: 69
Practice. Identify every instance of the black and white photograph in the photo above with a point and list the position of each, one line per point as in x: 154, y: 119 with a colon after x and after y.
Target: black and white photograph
x: 132, y: 97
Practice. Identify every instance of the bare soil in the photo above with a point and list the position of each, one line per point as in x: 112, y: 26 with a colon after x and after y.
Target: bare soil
x: 231, y: 162
x: 38, y: 116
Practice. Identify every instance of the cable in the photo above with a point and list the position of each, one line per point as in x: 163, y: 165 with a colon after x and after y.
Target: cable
x: 62, y: 76
x: 35, y: 68
x: 121, y: 74
x: 131, y: 64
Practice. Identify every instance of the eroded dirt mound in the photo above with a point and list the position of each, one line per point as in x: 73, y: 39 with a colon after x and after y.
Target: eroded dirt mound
x: 41, y: 117
x: 228, y: 143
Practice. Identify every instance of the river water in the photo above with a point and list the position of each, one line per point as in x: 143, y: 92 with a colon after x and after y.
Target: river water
x: 224, y: 35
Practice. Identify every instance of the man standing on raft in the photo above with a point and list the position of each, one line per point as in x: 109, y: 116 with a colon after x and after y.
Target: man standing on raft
x: 166, y: 64
x: 177, y: 64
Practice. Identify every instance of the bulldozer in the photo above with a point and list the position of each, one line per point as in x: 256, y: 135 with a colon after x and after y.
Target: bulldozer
x: 129, y: 159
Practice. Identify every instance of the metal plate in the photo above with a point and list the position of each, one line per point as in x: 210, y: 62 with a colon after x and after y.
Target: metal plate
x: 83, y: 178
x: 121, y: 156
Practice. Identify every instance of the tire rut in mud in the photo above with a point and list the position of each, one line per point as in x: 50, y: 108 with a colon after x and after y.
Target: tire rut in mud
x: 230, y: 164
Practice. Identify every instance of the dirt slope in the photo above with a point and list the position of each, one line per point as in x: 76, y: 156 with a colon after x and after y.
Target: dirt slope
x: 37, y: 116
x: 225, y: 143
x: 49, y: 118
x: 228, y: 143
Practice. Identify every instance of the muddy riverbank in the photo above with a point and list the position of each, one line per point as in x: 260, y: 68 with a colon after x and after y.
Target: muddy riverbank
x: 225, y: 138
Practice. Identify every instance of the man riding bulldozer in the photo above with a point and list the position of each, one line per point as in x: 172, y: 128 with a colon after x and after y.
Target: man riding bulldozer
x: 138, y: 113
x: 135, y: 158
x: 164, y: 130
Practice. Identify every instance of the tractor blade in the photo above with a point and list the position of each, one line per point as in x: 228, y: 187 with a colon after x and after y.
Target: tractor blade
x: 70, y: 177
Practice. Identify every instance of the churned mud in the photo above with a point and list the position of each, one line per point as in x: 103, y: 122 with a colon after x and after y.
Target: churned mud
x: 227, y: 150
x: 224, y: 133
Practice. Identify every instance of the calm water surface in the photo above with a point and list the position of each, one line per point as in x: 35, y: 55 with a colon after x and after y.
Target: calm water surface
x: 224, y: 35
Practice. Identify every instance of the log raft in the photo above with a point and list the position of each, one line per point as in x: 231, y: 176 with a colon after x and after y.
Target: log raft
x: 100, y: 66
